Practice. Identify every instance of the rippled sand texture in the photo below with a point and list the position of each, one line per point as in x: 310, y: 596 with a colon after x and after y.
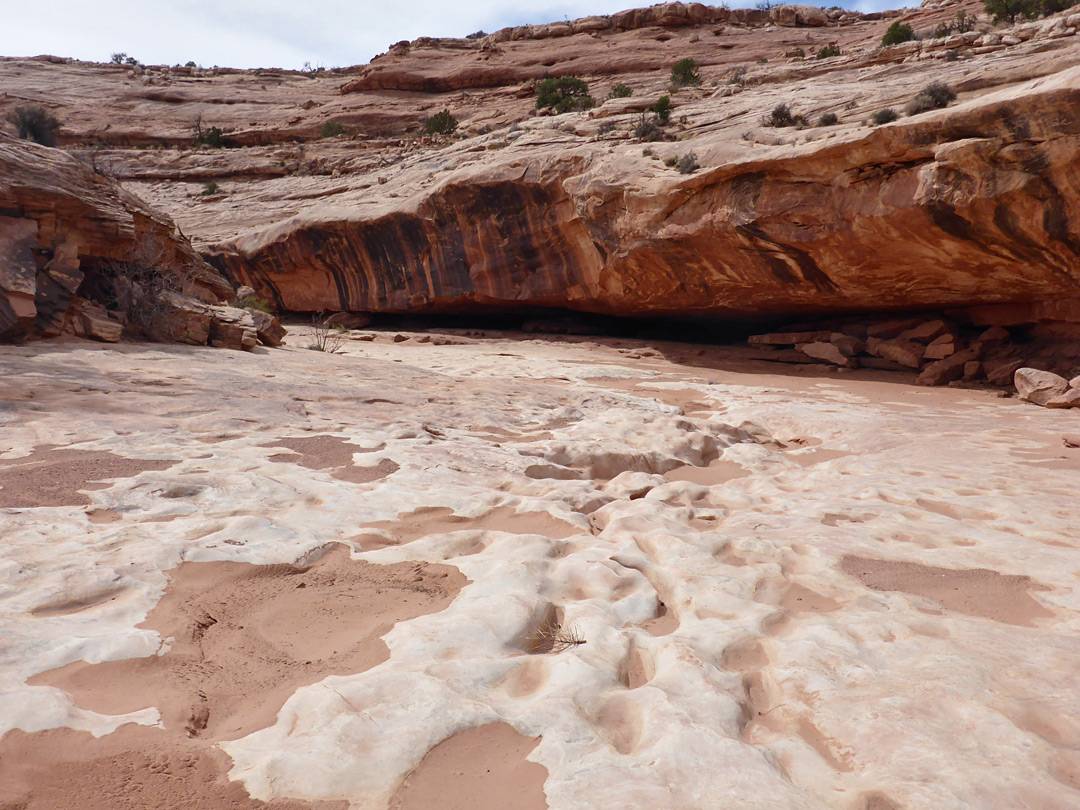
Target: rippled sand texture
x: 573, y: 574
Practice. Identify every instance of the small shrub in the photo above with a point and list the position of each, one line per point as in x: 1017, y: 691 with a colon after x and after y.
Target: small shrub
x: 476, y: 35
x: 738, y: 74
x: 941, y: 31
x: 648, y: 131
x: 331, y: 129
x: 131, y: 61
x: 118, y: 58
x: 565, y: 94
x: 606, y: 127
x: 210, y: 189
x: 323, y: 337
x: 34, y: 123
x: 620, y: 91
x: 662, y: 108
x: 952, y: 55
x: 964, y: 22
x: 829, y: 50
x: 828, y: 120
x: 687, y: 164
x: 251, y: 302
x: 886, y: 116
x: 671, y: 160
x: 763, y: 60
x: 782, y: 116
x: 797, y: 53
x: 190, y: 64
x: 213, y: 137
x: 897, y: 32
x: 932, y: 97
x: 684, y: 73
x: 442, y: 123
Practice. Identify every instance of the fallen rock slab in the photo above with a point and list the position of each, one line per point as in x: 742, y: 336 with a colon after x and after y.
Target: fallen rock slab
x: 267, y: 327
x: 904, y: 352
x: 952, y: 368
x: 829, y: 352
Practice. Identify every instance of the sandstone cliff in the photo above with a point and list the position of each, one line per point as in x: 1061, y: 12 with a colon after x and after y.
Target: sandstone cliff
x: 67, y: 231
x: 973, y: 205
x: 976, y: 204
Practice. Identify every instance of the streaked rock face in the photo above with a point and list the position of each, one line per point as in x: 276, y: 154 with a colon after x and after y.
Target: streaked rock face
x: 976, y: 204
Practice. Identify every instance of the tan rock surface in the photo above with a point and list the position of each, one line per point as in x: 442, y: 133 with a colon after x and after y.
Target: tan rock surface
x: 791, y: 590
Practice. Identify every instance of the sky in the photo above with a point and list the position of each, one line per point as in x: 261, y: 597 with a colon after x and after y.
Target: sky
x: 273, y: 33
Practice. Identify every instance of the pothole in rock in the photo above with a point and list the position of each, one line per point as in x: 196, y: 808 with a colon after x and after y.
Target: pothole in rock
x: 53, y: 476
x: 483, y: 768
x: 244, y: 637
x: 326, y: 452
x: 975, y: 591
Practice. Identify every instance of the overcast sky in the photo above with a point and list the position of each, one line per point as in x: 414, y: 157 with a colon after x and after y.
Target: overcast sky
x: 271, y: 33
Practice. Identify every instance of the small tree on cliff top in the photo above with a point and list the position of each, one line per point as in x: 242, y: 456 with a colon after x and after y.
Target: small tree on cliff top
x: 1009, y: 10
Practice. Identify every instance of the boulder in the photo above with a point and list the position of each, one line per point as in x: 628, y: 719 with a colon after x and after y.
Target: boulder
x: 794, y: 15
x: 57, y: 283
x: 849, y: 345
x: 952, y: 368
x: 90, y: 320
x: 1069, y: 399
x: 905, y: 352
x: 1001, y: 372
x: 788, y: 338
x: 232, y: 328
x: 941, y: 348
x: 180, y: 320
x: 1039, y: 386
x: 828, y: 352
x: 926, y: 332
x: 995, y: 334
x: 18, y: 276
x: 268, y: 328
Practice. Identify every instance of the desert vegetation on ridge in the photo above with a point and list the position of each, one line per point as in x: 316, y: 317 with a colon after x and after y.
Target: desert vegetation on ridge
x: 33, y: 122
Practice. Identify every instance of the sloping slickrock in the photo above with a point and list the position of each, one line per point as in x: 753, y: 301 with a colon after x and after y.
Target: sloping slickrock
x: 960, y: 207
x: 62, y: 226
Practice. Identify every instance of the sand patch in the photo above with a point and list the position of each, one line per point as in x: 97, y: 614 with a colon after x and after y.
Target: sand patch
x: 718, y: 472
x: 134, y: 768
x: 441, y: 520
x: 974, y: 591
x: 245, y: 637
x: 52, y: 476
x: 482, y: 768
x: 665, y: 622
x: 326, y: 452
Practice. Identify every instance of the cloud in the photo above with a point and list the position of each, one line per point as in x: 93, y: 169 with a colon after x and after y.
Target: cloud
x: 267, y: 33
